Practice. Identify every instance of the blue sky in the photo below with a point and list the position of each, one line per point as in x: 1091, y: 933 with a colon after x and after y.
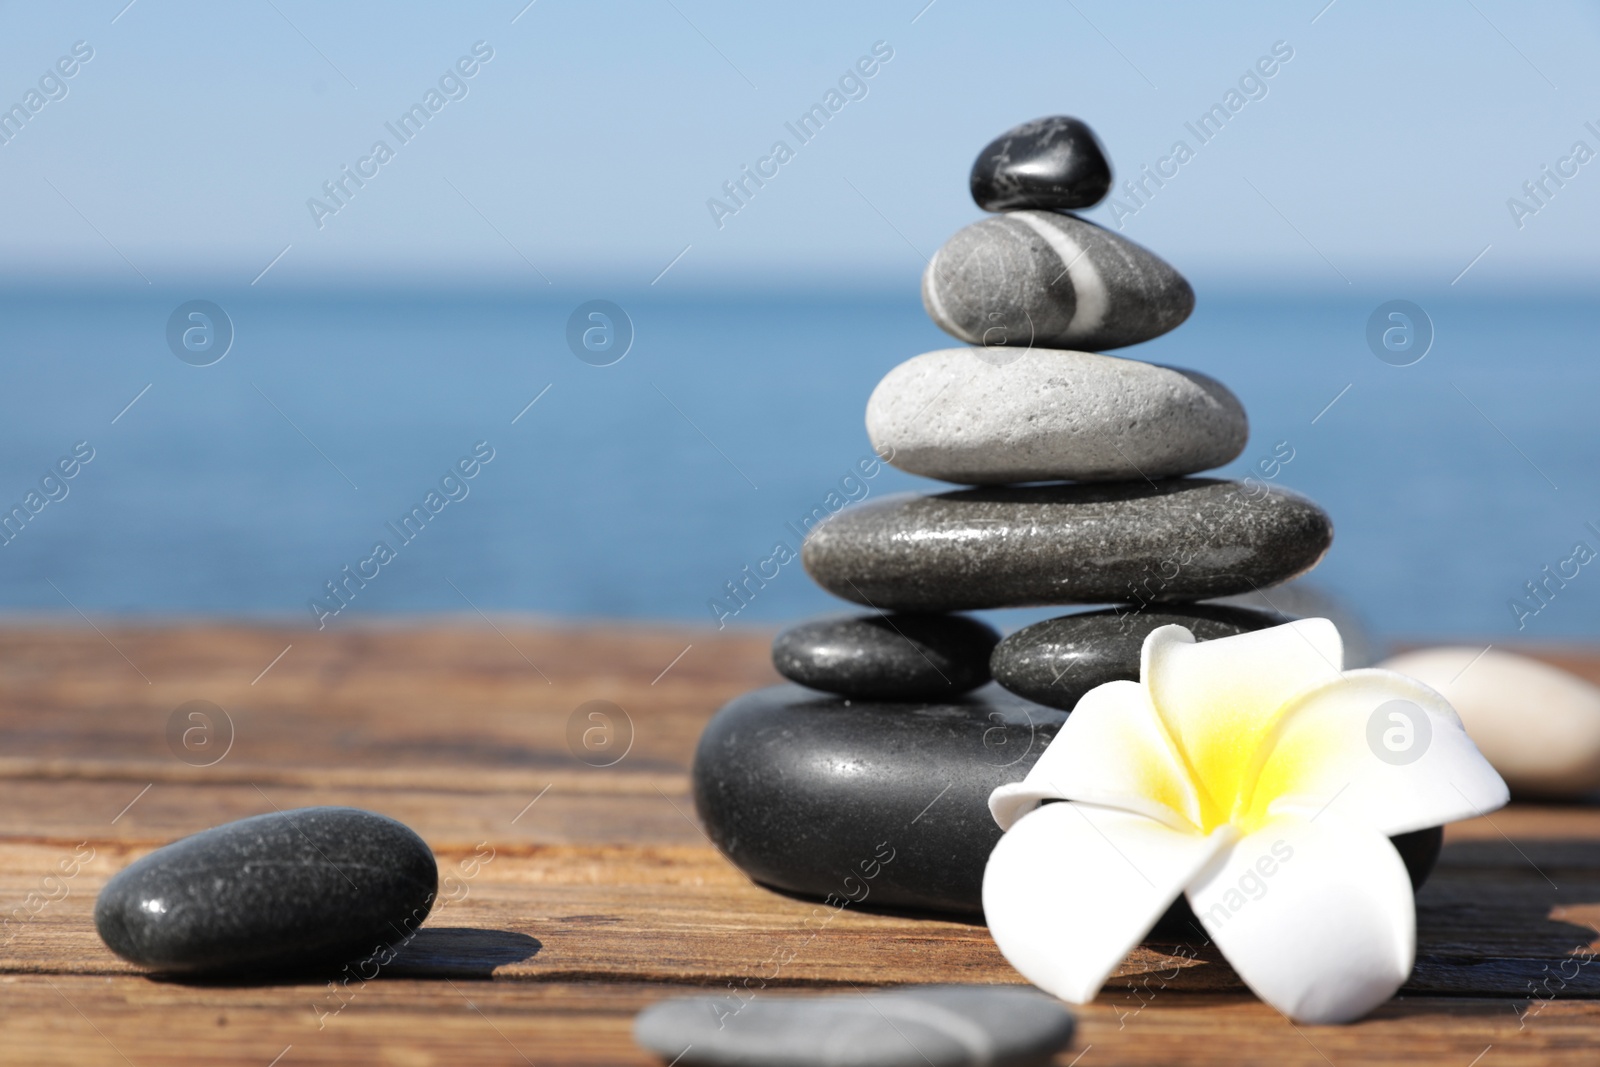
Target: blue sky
x: 590, y: 143
x: 571, y: 155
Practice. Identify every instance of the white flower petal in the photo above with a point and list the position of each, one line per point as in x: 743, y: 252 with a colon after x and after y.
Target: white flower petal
x: 1317, y: 917
x: 1219, y: 699
x: 1380, y: 750
x: 1072, y: 888
x: 1111, y: 751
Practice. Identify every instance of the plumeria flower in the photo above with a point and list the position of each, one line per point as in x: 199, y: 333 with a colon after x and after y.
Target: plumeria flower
x: 1258, y: 777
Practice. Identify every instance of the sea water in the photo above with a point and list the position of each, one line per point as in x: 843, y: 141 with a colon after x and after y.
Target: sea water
x: 263, y: 484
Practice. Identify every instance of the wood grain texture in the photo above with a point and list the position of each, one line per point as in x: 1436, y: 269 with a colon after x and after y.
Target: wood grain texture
x: 444, y: 1023
x: 601, y: 894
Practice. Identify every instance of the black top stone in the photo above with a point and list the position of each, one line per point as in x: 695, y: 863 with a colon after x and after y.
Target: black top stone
x: 1174, y: 540
x: 917, y: 1026
x: 1056, y: 661
x: 292, y: 889
x: 875, y: 804
x: 888, y: 657
x: 1054, y: 164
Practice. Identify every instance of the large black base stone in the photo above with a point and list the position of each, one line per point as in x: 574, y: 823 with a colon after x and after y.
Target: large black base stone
x: 877, y: 804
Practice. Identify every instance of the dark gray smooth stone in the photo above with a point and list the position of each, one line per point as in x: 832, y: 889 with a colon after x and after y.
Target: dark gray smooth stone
x: 291, y: 889
x: 1306, y: 599
x: 888, y: 657
x: 1039, y: 279
x: 1134, y: 542
x: 876, y: 804
x: 914, y: 1026
x: 1053, y: 163
x: 1420, y: 850
x: 1056, y: 661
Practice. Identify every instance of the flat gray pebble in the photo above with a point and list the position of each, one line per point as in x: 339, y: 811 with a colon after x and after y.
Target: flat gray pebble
x: 914, y: 1026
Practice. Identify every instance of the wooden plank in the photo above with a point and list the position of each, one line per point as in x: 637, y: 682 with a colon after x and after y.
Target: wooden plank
x: 656, y: 809
x: 603, y: 894
x: 92, y: 1021
x: 457, y: 709
x: 682, y: 913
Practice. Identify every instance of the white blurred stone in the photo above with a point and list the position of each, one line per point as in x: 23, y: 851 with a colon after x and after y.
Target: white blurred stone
x: 1538, y: 725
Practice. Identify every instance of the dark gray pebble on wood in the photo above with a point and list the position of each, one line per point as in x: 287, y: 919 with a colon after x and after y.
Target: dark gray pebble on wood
x: 286, y: 890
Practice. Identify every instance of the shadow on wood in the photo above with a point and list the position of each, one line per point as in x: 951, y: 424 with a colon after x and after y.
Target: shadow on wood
x: 461, y: 952
x: 433, y: 952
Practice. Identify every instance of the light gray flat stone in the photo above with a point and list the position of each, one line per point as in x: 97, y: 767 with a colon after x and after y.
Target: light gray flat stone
x: 1051, y: 415
x: 1043, y: 279
x: 927, y: 1026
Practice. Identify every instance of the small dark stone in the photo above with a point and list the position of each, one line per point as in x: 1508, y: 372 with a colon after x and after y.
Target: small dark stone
x: 302, y: 888
x: 1420, y: 851
x: 915, y: 1026
x: 872, y: 804
x: 1054, y: 163
x: 1056, y: 661
x: 888, y: 657
x: 1023, y: 546
x: 1304, y: 598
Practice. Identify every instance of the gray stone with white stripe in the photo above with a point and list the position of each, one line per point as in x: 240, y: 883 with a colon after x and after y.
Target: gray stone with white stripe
x: 1043, y: 279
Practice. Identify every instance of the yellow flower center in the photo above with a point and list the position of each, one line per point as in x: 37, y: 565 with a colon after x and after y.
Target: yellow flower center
x: 1223, y: 753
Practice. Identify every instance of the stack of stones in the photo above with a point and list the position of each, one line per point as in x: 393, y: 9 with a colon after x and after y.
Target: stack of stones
x: 868, y: 781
